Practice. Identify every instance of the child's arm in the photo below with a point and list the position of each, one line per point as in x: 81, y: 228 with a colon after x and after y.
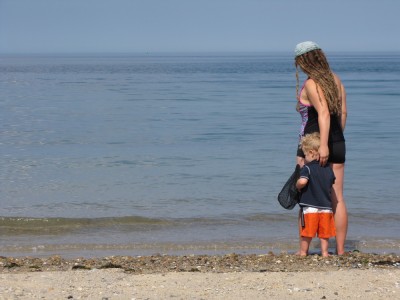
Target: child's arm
x: 304, y: 177
x: 301, y: 182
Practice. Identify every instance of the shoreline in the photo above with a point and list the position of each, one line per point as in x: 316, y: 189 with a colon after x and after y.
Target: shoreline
x: 233, y: 276
x: 233, y: 262
x: 179, y: 248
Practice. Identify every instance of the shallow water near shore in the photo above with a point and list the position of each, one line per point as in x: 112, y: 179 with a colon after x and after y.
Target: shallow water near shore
x: 181, y: 153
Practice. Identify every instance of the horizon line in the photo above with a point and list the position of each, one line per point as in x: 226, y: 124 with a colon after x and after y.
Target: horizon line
x: 188, y: 52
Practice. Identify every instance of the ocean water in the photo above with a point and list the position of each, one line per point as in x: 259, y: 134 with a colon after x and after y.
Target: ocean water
x: 181, y: 153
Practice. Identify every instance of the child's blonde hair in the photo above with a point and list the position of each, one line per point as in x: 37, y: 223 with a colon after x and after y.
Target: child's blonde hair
x: 310, y: 142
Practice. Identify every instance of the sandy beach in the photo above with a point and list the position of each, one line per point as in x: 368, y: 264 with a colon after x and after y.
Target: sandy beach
x: 269, y: 276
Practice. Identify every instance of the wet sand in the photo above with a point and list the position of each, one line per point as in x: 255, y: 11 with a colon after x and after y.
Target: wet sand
x: 283, y: 276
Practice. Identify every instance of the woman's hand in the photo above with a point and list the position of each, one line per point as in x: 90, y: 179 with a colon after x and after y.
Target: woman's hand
x: 323, y: 154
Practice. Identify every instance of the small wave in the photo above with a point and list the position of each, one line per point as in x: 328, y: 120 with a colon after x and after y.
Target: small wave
x: 10, y: 226
x: 26, y: 225
x: 287, y: 245
x: 393, y: 218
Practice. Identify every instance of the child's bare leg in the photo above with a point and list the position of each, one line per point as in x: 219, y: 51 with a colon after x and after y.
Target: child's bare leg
x: 324, y: 247
x: 300, y: 227
x: 304, y: 245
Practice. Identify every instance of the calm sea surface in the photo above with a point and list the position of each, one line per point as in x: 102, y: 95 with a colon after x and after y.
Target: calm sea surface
x: 143, y: 154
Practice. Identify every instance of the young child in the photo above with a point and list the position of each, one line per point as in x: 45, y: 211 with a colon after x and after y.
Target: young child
x: 315, y: 183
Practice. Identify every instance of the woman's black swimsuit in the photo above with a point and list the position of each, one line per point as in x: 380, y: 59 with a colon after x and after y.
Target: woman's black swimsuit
x: 336, y: 141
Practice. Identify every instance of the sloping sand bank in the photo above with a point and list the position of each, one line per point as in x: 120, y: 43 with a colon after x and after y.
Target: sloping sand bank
x: 356, y: 276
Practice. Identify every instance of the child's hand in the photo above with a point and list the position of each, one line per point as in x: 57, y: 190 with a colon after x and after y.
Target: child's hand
x: 301, y: 183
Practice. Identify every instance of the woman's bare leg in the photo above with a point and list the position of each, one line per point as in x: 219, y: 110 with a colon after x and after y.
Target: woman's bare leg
x: 339, y: 208
x: 299, y: 161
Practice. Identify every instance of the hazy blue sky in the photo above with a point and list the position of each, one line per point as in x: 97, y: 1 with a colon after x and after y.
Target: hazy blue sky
x: 202, y: 25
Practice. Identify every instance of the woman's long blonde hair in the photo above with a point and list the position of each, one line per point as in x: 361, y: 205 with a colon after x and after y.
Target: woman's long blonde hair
x: 315, y: 65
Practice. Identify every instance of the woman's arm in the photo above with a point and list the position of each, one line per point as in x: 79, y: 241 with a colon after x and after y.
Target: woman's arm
x: 317, y: 99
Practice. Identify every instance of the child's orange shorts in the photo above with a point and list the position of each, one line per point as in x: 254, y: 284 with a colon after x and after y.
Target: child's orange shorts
x: 318, y: 222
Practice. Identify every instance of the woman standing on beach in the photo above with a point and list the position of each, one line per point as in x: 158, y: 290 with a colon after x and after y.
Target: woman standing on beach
x: 322, y: 106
